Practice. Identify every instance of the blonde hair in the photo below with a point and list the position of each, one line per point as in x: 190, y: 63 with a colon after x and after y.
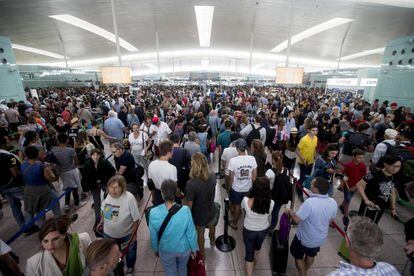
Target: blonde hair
x: 118, y: 179
x: 199, y: 167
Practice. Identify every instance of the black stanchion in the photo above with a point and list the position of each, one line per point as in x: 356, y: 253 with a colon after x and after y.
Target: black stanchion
x: 226, y: 243
x: 219, y: 175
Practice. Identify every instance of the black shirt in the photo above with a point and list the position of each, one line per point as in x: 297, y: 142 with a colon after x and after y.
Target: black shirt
x: 181, y: 159
x: 127, y: 160
x: 379, y: 188
x: 8, y: 161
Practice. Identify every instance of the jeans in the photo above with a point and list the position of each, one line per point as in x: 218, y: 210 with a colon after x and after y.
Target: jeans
x: 14, y: 196
x: 275, y: 216
x: 75, y: 196
x: 56, y: 207
x: 131, y: 254
x: 304, y: 171
x: 175, y: 262
x: 96, y: 196
x: 253, y: 242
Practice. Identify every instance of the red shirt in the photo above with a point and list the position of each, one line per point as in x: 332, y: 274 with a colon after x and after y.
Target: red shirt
x: 355, y: 172
x: 66, y: 116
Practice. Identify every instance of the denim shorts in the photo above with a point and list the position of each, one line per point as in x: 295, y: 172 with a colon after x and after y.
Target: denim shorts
x: 298, y: 250
x: 236, y: 197
x: 253, y: 242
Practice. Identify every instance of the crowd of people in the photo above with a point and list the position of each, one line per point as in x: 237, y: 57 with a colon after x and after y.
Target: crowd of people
x: 166, y: 137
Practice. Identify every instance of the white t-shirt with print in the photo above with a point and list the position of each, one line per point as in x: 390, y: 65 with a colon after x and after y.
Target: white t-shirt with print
x: 160, y: 170
x: 243, y: 167
x: 119, y: 214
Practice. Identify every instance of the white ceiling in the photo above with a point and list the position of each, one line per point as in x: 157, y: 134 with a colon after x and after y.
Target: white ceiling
x: 27, y: 22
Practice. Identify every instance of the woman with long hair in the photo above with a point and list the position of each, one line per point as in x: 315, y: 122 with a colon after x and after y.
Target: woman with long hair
x: 258, y: 206
x: 258, y: 152
x: 289, y: 154
x: 326, y: 165
x: 63, y: 253
x: 201, y: 189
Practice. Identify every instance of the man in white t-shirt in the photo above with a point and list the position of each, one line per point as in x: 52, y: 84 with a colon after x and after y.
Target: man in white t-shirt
x: 228, y: 153
x: 163, y: 130
x: 160, y: 170
x: 243, y: 171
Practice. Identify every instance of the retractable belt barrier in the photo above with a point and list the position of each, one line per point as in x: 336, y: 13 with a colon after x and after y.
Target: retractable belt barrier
x: 37, y: 217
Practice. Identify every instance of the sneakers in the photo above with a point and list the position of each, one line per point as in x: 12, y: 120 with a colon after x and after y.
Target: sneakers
x: 129, y: 271
x: 66, y: 208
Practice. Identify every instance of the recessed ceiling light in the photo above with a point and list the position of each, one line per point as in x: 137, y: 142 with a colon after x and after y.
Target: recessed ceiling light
x: 36, y: 51
x: 337, y: 21
x: 364, y: 53
x: 204, y: 17
x: 75, y: 21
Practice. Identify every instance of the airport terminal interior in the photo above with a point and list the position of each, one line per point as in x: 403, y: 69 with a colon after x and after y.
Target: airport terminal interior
x: 206, y: 137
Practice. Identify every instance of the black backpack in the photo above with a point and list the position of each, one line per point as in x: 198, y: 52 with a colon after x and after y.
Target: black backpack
x: 399, y: 150
x: 270, y: 135
x: 356, y: 140
x: 282, y: 188
x: 254, y: 134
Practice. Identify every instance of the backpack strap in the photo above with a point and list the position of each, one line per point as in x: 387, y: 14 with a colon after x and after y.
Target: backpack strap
x: 173, y: 210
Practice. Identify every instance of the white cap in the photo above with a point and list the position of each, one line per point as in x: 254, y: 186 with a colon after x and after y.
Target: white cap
x: 391, y: 133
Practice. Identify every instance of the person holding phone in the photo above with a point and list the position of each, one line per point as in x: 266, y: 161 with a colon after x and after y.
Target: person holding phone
x: 377, y: 189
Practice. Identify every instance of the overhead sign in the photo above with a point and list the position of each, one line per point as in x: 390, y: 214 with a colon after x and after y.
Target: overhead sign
x: 368, y: 82
x: 116, y: 74
x: 342, y: 82
x: 289, y: 75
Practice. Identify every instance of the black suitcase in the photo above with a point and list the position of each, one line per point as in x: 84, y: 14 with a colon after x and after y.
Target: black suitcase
x: 279, y: 252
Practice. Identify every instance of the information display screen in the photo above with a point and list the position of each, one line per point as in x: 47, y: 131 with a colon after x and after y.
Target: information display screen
x: 289, y: 75
x: 116, y: 74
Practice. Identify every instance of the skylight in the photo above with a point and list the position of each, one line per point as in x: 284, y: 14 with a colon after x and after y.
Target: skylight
x: 204, y: 17
x: 80, y: 23
x: 332, y: 23
x: 364, y: 53
x: 37, y: 51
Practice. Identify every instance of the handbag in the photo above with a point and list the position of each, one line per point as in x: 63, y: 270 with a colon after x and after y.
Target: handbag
x: 196, y: 266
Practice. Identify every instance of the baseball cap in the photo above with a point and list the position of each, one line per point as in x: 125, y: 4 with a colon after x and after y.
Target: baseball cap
x: 240, y: 144
x: 155, y: 119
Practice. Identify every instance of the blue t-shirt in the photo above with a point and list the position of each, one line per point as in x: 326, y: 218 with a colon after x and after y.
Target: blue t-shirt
x: 114, y: 128
x: 33, y: 174
x: 315, y: 214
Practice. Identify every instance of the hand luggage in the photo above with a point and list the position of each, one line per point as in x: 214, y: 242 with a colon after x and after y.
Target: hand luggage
x: 279, y: 250
x: 196, y: 267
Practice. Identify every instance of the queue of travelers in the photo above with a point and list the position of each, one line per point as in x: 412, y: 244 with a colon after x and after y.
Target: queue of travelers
x: 166, y: 138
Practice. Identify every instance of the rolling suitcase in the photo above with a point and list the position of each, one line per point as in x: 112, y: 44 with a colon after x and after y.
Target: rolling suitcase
x: 279, y: 249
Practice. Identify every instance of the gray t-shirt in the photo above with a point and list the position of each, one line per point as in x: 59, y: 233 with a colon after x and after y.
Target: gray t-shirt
x: 65, y: 157
x: 201, y: 193
x: 192, y: 147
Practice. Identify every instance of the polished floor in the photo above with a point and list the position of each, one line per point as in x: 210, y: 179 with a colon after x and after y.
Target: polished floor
x: 219, y: 263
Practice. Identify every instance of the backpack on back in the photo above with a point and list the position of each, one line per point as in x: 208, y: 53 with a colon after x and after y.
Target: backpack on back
x: 356, y: 140
x: 399, y: 150
x: 282, y: 188
x: 254, y: 134
x: 270, y: 134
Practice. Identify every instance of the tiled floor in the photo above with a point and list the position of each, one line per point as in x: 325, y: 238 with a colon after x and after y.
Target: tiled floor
x: 226, y: 264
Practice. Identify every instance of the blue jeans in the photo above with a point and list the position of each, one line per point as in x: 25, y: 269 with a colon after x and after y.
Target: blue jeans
x: 14, y: 196
x: 275, y: 216
x: 131, y: 254
x: 304, y: 171
x: 253, y: 241
x: 175, y: 262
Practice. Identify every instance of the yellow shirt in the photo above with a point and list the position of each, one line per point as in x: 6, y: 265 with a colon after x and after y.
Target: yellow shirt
x: 307, y: 148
